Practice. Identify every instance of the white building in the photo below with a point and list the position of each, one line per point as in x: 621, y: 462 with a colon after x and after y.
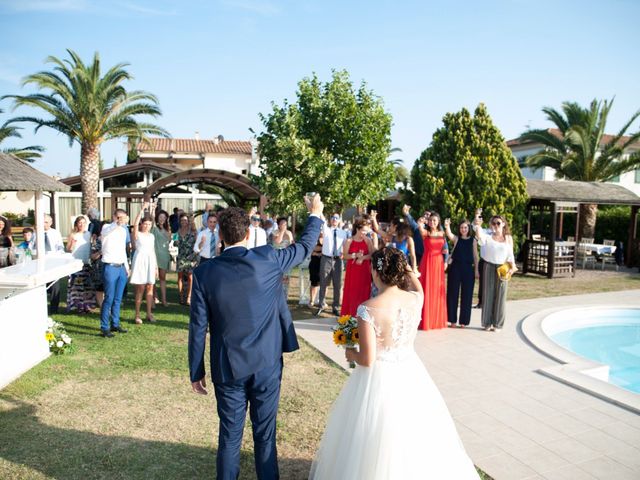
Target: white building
x: 522, y: 150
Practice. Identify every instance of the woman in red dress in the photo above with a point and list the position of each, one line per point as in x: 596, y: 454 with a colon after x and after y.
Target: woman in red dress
x: 357, y: 281
x: 432, y: 268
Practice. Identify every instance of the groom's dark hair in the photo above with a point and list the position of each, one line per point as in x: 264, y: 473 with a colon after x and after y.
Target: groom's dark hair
x: 234, y: 223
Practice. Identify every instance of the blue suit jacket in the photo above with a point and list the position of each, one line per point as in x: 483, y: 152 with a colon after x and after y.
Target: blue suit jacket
x: 239, y: 297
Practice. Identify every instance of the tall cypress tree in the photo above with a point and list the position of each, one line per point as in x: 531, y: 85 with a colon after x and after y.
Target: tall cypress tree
x: 466, y: 166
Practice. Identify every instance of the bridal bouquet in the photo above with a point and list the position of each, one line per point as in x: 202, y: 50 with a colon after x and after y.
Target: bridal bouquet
x: 57, y: 337
x: 345, y: 333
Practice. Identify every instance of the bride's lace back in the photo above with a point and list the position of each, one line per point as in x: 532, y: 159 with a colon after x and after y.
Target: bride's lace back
x: 395, y: 328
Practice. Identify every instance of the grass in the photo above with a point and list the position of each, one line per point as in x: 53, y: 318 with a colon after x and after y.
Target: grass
x: 122, y: 408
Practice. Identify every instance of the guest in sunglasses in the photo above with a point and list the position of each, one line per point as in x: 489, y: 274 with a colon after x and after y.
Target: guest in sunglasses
x: 257, y: 234
x: 498, y: 249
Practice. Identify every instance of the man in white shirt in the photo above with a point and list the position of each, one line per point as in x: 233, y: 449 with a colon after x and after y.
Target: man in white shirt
x: 257, y: 235
x: 115, y: 272
x: 52, y: 244
x: 331, y: 262
x: 208, y: 240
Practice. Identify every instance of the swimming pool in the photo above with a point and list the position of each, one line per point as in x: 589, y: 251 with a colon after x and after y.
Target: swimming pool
x: 608, y: 336
x: 597, y: 349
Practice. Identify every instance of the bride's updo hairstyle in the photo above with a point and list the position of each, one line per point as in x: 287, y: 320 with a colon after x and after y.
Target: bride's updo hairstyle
x: 391, y: 266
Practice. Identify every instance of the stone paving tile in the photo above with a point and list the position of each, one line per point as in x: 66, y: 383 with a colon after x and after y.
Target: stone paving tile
x: 479, y: 422
x: 511, y: 441
x: 572, y: 450
x: 539, y: 458
x: 601, y: 441
x: 605, y: 468
x: 505, y: 467
x: 623, y: 431
x: 628, y: 456
x: 593, y: 417
x: 566, y: 424
x: 569, y: 472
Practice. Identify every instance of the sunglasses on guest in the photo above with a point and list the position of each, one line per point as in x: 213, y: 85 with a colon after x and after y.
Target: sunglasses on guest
x: 497, y: 223
x: 255, y: 219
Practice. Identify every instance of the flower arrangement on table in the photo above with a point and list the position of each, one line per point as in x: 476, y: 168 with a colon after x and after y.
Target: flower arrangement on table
x: 345, y: 333
x: 56, y: 335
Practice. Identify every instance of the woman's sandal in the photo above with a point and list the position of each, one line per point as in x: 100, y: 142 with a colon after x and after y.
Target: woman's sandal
x: 151, y: 319
x: 138, y: 321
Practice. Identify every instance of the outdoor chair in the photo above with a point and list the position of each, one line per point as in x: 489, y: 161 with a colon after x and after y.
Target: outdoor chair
x: 610, y: 243
x: 584, y: 257
x: 587, y: 240
x: 571, y: 239
x: 608, y: 257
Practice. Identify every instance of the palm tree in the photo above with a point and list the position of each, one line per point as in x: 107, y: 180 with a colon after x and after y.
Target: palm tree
x: 580, y: 150
x: 88, y: 108
x: 28, y: 154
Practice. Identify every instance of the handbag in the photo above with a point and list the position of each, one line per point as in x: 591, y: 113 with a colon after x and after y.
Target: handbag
x: 503, y: 272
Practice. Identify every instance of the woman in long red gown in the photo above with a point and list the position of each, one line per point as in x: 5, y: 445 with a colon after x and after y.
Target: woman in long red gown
x: 357, y: 281
x: 432, y: 268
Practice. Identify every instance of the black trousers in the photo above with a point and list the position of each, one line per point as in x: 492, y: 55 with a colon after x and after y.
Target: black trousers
x: 461, y: 278
x: 480, y: 271
x: 54, y: 296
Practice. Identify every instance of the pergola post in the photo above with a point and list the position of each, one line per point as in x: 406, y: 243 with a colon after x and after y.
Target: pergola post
x: 633, y: 235
x: 551, y: 252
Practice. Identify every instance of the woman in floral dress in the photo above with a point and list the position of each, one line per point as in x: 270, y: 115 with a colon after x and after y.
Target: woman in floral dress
x: 187, y: 258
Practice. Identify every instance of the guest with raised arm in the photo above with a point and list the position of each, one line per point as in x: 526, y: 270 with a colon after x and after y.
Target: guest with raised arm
x: 144, y: 268
x: 282, y: 238
x: 357, y: 252
x: 432, y: 268
x: 463, y: 263
x: 417, y: 235
x: 500, y: 264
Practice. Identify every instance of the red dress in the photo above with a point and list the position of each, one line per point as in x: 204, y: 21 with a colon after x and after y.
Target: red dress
x: 357, y: 280
x: 434, y: 309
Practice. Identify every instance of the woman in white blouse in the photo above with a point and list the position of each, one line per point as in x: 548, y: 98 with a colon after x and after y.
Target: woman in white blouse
x: 497, y: 249
x: 81, y: 293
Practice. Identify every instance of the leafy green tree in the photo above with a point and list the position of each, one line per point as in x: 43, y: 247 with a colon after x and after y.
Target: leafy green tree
x: 466, y: 166
x: 333, y: 140
x: 29, y: 154
x: 89, y: 108
x: 580, y: 150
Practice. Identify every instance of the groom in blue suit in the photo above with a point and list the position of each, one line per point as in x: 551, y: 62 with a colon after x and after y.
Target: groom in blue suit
x: 238, y: 297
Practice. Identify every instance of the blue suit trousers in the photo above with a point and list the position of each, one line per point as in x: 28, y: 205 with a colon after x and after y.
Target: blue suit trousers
x: 115, y: 281
x: 261, y: 391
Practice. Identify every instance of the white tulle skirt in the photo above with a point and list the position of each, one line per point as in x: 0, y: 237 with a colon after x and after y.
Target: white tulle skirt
x: 391, y: 423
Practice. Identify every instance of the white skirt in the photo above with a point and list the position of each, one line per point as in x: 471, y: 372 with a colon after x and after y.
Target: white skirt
x: 391, y: 423
x: 143, y: 268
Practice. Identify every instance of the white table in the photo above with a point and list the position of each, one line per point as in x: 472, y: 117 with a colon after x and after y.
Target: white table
x: 23, y: 312
x: 598, y: 248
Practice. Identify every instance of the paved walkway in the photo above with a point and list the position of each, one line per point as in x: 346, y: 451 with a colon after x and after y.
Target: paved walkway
x: 516, y: 423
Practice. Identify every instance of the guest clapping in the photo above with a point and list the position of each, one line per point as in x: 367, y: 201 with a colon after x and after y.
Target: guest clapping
x: 463, y: 263
x: 432, y: 268
x: 498, y: 250
x: 162, y: 234
x: 207, y: 244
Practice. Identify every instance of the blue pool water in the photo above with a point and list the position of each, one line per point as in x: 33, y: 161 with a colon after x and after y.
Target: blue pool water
x: 613, y: 339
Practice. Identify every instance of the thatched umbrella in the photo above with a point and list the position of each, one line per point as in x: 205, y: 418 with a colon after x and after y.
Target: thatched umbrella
x: 17, y: 175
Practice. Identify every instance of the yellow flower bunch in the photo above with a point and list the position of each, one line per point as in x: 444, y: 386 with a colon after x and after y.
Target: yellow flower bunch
x: 339, y: 338
x: 49, y: 336
x: 344, y: 319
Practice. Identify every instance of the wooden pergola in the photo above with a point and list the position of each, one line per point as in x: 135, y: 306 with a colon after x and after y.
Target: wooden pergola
x: 550, y: 257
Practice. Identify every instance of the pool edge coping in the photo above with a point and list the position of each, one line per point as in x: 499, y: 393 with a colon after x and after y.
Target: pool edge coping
x: 571, y: 368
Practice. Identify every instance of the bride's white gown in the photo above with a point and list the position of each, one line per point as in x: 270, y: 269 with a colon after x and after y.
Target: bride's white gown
x: 390, y: 421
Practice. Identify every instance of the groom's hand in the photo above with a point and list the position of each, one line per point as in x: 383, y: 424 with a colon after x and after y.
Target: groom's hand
x: 199, y: 386
x: 314, y: 205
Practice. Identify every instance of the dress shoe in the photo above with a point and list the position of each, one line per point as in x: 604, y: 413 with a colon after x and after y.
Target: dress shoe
x: 106, y: 334
x: 477, y: 305
x: 319, y: 312
x: 119, y: 329
x: 336, y: 312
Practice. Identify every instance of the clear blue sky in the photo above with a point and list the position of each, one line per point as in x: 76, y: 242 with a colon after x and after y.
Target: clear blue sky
x: 215, y: 64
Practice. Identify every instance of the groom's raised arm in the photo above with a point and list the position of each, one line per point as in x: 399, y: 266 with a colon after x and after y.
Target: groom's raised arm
x: 295, y: 253
x: 198, y: 323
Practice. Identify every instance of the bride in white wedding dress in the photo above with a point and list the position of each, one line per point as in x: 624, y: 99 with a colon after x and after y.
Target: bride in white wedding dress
x: 390, y: 421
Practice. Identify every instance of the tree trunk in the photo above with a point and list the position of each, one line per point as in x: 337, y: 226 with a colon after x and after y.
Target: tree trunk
x: 588, y: 215
x: 89, y: 174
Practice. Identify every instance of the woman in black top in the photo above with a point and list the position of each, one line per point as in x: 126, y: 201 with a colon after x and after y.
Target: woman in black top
x: 6, y: 242
x: 314, y: 270
x: 462, y: 273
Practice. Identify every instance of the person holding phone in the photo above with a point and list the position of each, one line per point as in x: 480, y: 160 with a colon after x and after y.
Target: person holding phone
x: 462, y: 267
